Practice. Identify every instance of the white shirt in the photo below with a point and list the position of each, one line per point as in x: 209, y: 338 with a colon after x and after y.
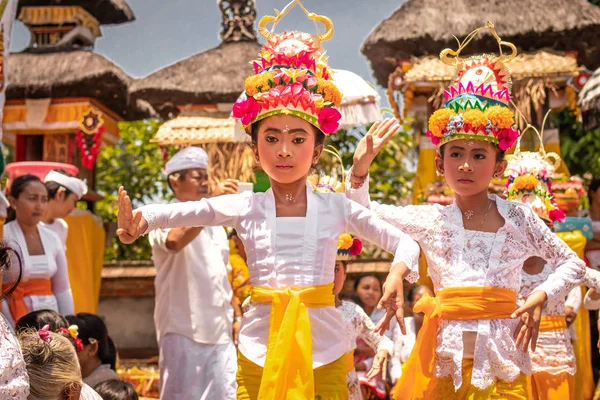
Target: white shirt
x: 52, y: 266
x: 441, y: 234
x: 60, y: 227
x: 592, y: 281
x: 193, y: 293
x: 309, y: 254
x: 403, y: 345
x: 554, y: 353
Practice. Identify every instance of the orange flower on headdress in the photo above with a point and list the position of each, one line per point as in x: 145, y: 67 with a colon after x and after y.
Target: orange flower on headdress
x: 258, y: 83
x: 475, y: 119
x: 500, y: 117
x: 330, y: 92
x: 525, y: 182
x: 439, y: 121
x: 345, y: 241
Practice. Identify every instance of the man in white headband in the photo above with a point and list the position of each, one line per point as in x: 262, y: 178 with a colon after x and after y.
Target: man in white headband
x: 193, y: 313
x: 64, y: 190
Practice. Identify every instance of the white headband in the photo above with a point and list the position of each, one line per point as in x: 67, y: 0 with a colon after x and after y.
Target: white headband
x: 188, y: 158
x: 75, y: 185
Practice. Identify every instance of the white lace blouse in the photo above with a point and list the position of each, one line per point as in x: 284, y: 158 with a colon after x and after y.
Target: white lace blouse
x: 554, y: 353
x: 281, y: 257
x: 14, y: 381
x: 441, y: 234
x: 592, y: 281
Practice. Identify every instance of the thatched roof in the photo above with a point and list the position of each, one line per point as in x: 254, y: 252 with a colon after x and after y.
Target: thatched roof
x: 425, y: 27
x: 542, y: 64
x: 192, y: 130
x: 214, y: 76
x: 105, y: 11
x: 68, y: 74
x: 589, y: 101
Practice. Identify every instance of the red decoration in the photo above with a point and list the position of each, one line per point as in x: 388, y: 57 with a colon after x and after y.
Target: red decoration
x: 88, y: 137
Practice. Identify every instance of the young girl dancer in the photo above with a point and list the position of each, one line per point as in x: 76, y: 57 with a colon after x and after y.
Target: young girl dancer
x: 469, y: 344
x: 290, y: 342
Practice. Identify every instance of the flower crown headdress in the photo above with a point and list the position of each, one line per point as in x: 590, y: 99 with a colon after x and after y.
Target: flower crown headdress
x: 291, y: 77
x: 529, y: 178
x: 476, y: 106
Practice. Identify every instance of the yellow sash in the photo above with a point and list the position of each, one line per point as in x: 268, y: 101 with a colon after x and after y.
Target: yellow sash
x: 553, y: 323
x: 349, y: 361
x: 457, y: 303
x: 288, y: 371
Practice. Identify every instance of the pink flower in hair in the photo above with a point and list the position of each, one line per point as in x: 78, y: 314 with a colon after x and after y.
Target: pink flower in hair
x: 245, y: 109
x: 329, y: 120
x: 356, y: 248
x: 507, y: 137
x: 434, y: 139
x: 557, y: 215
x: 44, y: 333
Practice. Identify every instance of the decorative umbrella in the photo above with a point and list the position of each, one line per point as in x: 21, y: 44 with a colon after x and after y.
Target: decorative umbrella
x: 360, y: 100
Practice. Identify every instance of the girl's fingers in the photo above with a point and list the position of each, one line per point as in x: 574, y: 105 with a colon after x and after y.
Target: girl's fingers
x: 369, y: 139
x: 385, y: 126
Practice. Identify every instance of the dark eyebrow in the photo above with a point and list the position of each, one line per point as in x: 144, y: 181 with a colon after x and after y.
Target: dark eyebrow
x: 295, y: 130
x: 456, y: 147
x: 480, y: 149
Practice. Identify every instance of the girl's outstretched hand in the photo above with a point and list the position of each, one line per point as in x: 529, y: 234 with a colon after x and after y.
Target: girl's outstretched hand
x: 529, y: 315
x: 371, y: 143
x: 393, y: 299
x: 130, y: 226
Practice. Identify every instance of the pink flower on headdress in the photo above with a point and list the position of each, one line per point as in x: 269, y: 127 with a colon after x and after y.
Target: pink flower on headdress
x: 356, y: 248
x: 291, y: 91
x: 310, y: 80
x: 557, y: 215
x: 329, y: 119
x: 507, y: 137
x: 44, y: 333
x: 434, y: 139
x: 245, y: 109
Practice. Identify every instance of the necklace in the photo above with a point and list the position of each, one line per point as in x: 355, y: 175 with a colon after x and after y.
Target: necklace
x: 290, y: 198
x: 480, y: 225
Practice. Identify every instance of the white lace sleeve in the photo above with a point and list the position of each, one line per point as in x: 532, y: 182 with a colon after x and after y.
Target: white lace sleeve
x: 365, y: 329
x: 589, y: 303
x: 592, y: 278
x: 416, y: 221
x: 368, y: 226
x: 569, y: 269
x: 216, y: 211
x: 574, y: 299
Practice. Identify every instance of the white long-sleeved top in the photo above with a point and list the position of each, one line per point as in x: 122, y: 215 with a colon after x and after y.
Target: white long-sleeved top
x: 554, y: 353
x: 441, y: 234
x: 54, y: 268
x: 592, y: 281
x: 279, y: 258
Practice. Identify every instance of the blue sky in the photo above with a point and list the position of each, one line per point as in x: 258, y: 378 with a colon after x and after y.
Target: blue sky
x: 167, y: 31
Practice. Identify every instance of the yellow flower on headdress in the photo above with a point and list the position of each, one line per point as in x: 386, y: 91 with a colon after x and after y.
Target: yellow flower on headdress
x: 258, y: 83
x: 500, y: 117
x: 475, y: 119
x: 439, y: 121
x: 74, y: 331
x: 331, y: 92
x: 345, y: 241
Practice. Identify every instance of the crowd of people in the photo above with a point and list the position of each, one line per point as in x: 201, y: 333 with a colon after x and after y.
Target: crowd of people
x: 494, y: 323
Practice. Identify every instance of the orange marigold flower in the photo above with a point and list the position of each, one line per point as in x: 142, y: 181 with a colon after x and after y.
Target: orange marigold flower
x: 501, y: 117
x: 258, y: 83
x: 330, y: 91
x: 439, y: 121
x: 475, y: 119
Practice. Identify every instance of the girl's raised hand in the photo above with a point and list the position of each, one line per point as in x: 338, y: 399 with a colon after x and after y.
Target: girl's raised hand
x: 130, y: 226
x: 374, y: 140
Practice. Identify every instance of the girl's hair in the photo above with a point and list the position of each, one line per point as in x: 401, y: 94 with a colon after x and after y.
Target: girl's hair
x: 52, y: 365
x: 499, y: 153
x: 115, y: 389
x: 594, y: 186
x: 53, y: 187
x: 38, y: 319
x: 92, y: 327
x: 319, y: 135
x: 6, y: 262
x: 412, y: 292
x: 16, y: 188
x: 366, y: 275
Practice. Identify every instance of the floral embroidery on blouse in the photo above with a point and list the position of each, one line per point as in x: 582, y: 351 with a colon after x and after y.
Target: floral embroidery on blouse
x: 14, y: 381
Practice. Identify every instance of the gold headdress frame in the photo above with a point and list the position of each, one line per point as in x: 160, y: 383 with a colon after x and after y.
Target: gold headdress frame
x: 552, y: 158
x: 268, y: 34
x: 451, y: 57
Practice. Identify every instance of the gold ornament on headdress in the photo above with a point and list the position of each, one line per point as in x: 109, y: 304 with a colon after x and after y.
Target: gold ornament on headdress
x: 268, y: 34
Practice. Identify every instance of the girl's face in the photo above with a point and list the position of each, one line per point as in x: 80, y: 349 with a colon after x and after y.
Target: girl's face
x: 87, y: 355
x: 369, y: 291
x: 65, y: 203
x: 339, y: 277
x: 31, y: 204
x: 286, y: 148
x: 469, y: 165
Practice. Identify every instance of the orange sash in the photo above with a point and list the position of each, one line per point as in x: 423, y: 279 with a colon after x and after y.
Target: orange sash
x: 33, y: 287
x: 457, y: 303
x: 349, y: 361
x: 553, y: 323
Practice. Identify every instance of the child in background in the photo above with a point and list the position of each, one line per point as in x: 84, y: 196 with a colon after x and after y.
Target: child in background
x: 115, y: 389
x: 38, y: 319
x: 356, y: 323
x: 98, y: 356
x: 14, y: 382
